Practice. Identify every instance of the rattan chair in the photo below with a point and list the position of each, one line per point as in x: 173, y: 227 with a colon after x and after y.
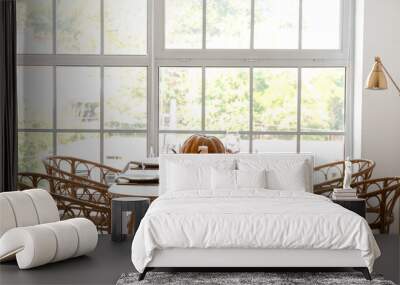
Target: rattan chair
x: 73, y: 199
x: 381, y: 196
x: 81, y: 170
x: 329, y: 176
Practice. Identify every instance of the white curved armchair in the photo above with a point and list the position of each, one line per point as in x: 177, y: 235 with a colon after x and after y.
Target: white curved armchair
x: 31, y: 230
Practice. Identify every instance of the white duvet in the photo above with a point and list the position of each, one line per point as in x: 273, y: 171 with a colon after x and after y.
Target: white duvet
x: 252, y: 218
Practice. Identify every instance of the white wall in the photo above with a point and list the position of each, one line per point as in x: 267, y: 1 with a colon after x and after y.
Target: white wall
x: 380, y: 110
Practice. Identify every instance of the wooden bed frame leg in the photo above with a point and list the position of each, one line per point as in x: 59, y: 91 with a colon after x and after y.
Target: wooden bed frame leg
x: 364, y: 271
x: 143, y: 274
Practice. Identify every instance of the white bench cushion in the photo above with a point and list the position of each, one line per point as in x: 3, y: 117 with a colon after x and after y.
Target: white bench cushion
x: 31, y: 231
x: 45, y: 206
x: 7, y: 220
x: 40, y: 244
x: 26, y: 208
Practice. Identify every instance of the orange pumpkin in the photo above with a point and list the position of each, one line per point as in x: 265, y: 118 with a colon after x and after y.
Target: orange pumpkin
x: 191, y: 145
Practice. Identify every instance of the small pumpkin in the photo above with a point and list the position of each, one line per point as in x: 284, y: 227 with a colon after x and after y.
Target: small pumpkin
x: 191, y: 145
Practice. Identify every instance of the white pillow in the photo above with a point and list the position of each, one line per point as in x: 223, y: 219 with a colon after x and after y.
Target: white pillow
x: 182, y: 177
x: 223, y: 179
x: 251, y: 178
x: 189, y: 175
x: 227, y: 179
x: 282, y: 174
x: 292, y: 178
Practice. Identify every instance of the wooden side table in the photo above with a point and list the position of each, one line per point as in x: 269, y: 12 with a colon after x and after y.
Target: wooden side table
x: 355, y: 205
x: 136, y: 205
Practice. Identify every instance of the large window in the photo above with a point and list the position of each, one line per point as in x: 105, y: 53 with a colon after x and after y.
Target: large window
x: 108, y: 80
x: 270, y: 73
x: 253, y: 24
x: 270, y: 108
x: 82, y: 80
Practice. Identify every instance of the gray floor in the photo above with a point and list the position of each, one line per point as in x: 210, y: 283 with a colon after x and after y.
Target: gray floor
x: 110, y: 260
x: 103, y: 266
x: 389, y: 262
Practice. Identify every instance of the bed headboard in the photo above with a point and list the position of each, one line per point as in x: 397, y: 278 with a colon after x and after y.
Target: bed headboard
x: 165, y: 159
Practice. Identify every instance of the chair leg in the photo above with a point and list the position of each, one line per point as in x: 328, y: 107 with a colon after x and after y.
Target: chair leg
x: 143, y: 274
x: 364, y: 271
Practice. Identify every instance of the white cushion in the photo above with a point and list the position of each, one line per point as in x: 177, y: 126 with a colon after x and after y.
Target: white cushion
x: 26, y: 208
x: 67, y: 239
x: 248, y: 162
x: 23, y: 208
x: 7, y: 218
x: 45, y: 205
x: 187, y: 175
x: 293, y: 178
x: 251, y: 178
x: 34, y: 244
x: 282, y: 174
x: 226, y: 179
x: 87, y: 234
x: 40, y: 244
x: 223, y: 179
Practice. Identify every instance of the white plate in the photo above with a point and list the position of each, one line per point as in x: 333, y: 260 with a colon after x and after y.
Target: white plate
x: 140, y: 174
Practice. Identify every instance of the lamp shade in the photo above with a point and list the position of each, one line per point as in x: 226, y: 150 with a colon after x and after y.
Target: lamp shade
x: 376, y: 79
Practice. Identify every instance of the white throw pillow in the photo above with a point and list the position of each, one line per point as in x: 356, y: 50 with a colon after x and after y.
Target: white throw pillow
x: 190, y: 175
x: 291, y: 178
x: 282, y: 174
x: 223, y: 179
x: 251, y: 178
x: 227, y: 179
x: 182, y: 177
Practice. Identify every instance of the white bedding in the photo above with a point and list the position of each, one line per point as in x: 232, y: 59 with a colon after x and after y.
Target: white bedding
x: 251, y: 218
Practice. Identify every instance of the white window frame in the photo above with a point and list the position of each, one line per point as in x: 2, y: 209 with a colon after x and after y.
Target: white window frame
x: 157, y: 56
x: 253, y: 58
x: 100, y: 60
x: 252, y: 54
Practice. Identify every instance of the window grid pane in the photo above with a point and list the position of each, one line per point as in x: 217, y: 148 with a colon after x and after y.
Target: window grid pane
x: 180, y: 98
x: 35, y: 97
x: 125, y: 98
x: 323, y: 99
x: 321, y: 24
x: 78, y: 97
x: 125, y: 27
x: 183, y: 24
x: 274, y: 143
x: 326, y: 148
x: 119, y: 148
x: 275, y: 99
x: 228, y: 24
x: 75, y: 122
x: 82, y: 145
x: 276, y: 24
x: 78, y: 141
x: 227, y: 99
x: 78, y: 26
x: 32, y: 148
x: 34, y: 26
x: 281, y: 82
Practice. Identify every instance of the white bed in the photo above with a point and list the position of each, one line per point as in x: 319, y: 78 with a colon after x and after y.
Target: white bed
x: 207, y: 226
